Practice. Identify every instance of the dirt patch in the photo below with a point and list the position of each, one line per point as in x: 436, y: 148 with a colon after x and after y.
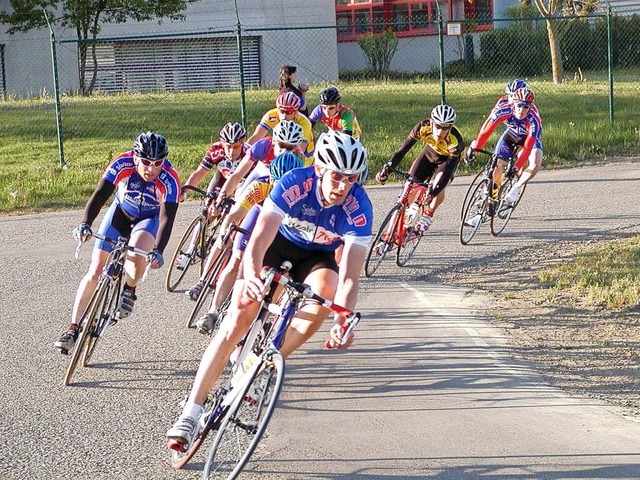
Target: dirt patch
x: 586, y: 350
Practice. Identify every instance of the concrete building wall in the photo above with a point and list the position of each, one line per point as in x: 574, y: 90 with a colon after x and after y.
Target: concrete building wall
x: 28, y: 59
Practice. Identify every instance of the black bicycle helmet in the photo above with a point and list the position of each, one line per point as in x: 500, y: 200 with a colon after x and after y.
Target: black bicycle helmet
x: 233, y: 133
x: 152, y: 146
x: 330, y: 96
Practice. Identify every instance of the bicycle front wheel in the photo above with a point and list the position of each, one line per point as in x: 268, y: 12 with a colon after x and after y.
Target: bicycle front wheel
x: 475, y: 212
x: 187, y: 247
x: 88, y: 323
x: 210, y: 284
x: 105, y: 313
x: 383, y: 242
x: 467, y: 197
x: 504, y: 210
x: 407, y: 247
x: 243, y: 426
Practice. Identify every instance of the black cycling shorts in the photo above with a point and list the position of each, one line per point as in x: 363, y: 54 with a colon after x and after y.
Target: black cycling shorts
x: 304, y: 261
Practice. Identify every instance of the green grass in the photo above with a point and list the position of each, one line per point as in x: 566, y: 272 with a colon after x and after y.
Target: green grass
x: 575, y: 119
x: 607, y: 275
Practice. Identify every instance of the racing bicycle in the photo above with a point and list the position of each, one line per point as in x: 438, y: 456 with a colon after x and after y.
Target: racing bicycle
x: 480, y: 207
x: 101, y: 310
x: 195, y: 242
x: 241, y: 404
x: 224, y: 252
x: 398, y: 229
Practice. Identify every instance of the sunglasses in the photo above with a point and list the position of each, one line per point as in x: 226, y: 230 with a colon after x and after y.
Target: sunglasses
x: 287, y: 111
x: 232, y: 145
x: 442, y: 127
x: 340, y: 178
x: 329, y: 107
x: 523, y: 105
x: 151, y: 163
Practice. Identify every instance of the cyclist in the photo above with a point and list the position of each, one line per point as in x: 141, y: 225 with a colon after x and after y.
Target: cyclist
x: 438, y: 159
x: 509, y: 90
x: 144, y: 210
x: 335, y: 115
x: 223, y: 155
x: 308, y: 214
x: 286, y: 80
x: 244, y: 213
x: 287, y: 106
x: 522, y: 136
x: 287, y: 136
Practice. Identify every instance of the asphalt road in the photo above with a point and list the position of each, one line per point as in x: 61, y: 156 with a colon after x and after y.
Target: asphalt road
x: 429, y: 390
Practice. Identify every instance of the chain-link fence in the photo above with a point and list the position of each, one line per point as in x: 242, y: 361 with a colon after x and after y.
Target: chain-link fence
x: 188, y: 85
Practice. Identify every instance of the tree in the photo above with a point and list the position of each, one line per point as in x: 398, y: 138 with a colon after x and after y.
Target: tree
x: 379, y: 50
x: 86, y: 18
x: 549, y: 9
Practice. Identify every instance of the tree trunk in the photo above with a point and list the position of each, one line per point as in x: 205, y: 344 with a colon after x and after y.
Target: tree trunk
x: 557, y: 70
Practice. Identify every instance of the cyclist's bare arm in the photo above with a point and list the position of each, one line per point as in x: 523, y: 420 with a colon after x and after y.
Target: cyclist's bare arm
x: 353, y: 257
x: 262, y: 237
x: 239, y: 173
x: 258, y: 133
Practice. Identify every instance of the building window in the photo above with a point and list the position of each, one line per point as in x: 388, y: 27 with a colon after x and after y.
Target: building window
x: 405, y: 17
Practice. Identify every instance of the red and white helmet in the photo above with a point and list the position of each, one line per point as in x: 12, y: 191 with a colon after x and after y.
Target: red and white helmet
x: 288, y: 100
x: 523, y: 95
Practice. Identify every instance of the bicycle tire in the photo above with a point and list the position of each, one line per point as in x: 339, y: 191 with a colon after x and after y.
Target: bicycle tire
x: 407, y: 247
x: 469, y: 190
x: 210, y: 283
x: 385, y: 246
x: 503, y: 210
x: 107, y: 311
x: 476, y: 209
x: 245, y: 422
x: 175, y: 276
x: 85, y: 326
x: 208, y: 240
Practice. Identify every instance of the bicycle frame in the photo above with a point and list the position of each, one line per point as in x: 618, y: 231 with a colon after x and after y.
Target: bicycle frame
x: 411, y: 192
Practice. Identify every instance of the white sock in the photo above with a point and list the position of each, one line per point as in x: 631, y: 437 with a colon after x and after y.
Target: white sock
x: 192, y: 409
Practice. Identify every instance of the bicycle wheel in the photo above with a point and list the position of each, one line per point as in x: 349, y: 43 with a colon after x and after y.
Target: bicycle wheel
x: 383, y: 242
x: 210, y: 284
x: 504, y: 210
x: 471, y: 188
x: 175, y: 274
x: 105, y: 313
x: 246, y: 420
x: 407, y: 247
x: 208, y: 240
x: 86, y: 326
x: 475, y: 212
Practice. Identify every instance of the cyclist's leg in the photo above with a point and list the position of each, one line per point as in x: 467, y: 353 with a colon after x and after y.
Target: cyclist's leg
x: 113, y: 225
x: 230, y: 272
x: 505, y: 149
x: 216, y: 356
x: 143, y: 236
x: 530, y: 168
x: 321, y: 274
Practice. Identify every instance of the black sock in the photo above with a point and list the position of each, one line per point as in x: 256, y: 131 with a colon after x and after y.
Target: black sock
x: 130, y: 288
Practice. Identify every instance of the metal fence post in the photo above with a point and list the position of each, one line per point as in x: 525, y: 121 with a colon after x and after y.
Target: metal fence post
x: 443, y: 95
x: 54, y: 65
x: 243, y: 106
x: 610, y: 60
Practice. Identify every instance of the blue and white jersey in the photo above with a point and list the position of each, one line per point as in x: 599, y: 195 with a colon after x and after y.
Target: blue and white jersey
x: 312, y: 226
x: 137, y: 197
x: 529, y: 126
